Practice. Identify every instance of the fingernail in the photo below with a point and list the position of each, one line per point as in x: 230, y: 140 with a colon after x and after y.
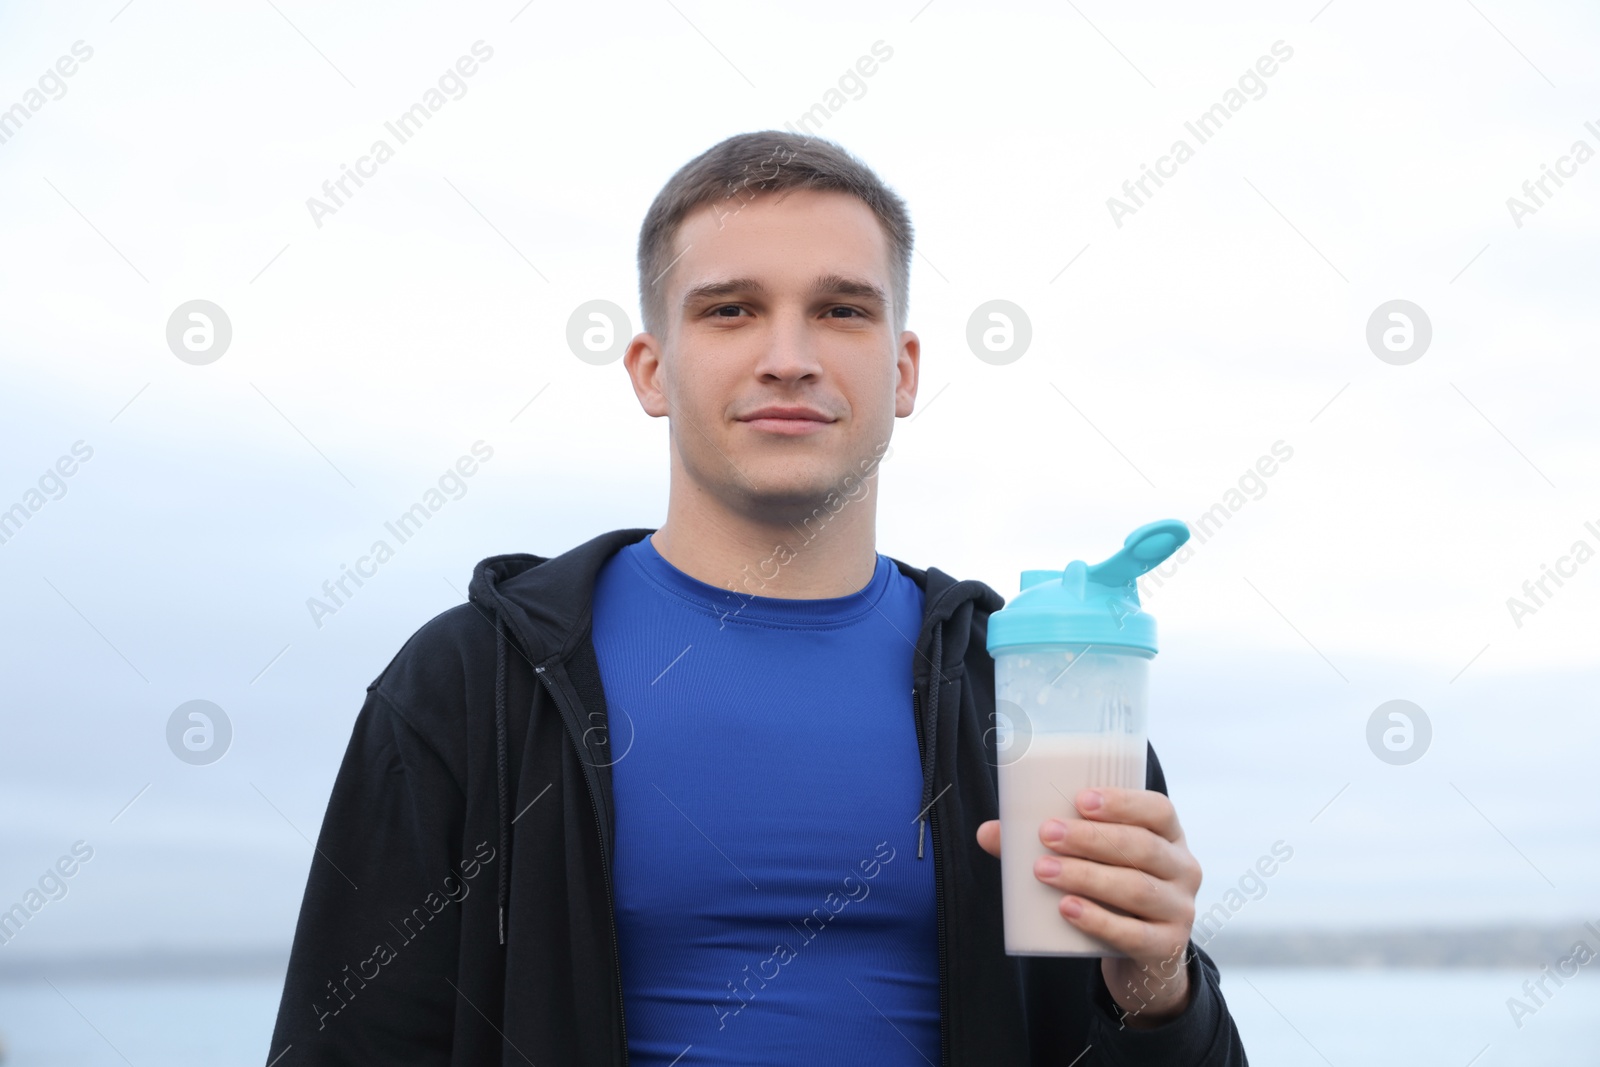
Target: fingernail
x: 1055, y: 830
x: 1072, y: 908
x: 1047, y: 868
x: 1091, y: 801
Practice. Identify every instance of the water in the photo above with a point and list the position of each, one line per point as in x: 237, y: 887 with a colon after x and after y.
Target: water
x: 210, y: 1022
x: 1313, y: 1017
x: 1289, y: 1018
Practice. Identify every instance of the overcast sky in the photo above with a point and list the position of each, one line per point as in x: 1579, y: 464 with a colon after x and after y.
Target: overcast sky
x: 1176, y: 339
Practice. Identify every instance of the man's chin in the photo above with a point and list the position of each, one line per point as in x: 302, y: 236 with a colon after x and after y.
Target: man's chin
x: 792, y: 501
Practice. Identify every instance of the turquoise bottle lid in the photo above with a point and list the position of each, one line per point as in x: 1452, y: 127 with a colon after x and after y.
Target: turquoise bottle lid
x: 1089, y: 605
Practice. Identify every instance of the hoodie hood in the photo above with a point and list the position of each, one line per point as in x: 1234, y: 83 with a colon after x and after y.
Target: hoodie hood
x: 541, y: 610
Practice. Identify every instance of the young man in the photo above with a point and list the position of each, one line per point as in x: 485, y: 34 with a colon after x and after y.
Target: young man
x: 724, y: 792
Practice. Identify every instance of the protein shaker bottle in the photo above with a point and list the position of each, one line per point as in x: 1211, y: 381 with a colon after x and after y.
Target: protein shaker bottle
x: 1072, y: 654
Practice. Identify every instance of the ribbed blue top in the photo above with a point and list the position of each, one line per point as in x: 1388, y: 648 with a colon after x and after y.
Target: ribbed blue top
x: 770, y: 905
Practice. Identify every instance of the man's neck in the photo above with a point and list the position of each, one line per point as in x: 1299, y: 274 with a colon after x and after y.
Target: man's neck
x: 827, y: 554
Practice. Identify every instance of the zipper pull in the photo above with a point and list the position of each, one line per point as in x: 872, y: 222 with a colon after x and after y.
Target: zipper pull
x: 916, y: 715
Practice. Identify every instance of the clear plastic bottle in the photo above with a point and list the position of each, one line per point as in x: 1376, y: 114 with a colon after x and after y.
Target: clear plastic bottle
x: 1072, y: 656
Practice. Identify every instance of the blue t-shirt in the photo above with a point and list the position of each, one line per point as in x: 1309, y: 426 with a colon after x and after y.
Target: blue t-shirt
x: 770, y: 905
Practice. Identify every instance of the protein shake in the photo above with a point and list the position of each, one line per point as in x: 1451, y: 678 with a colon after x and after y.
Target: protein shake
x: 1072, y: 653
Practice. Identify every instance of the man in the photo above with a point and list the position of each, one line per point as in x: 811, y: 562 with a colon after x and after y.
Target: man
x: 725, y: 791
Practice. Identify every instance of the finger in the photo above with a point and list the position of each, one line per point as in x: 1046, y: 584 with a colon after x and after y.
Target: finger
x: 1135, y: 807
x: 1120, y: 888
x: 1116, y: 844
x: 989, y: 837
x: 1139, y: 939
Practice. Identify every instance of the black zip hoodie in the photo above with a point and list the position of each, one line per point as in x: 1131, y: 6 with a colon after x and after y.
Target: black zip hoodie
x: 458, y: 908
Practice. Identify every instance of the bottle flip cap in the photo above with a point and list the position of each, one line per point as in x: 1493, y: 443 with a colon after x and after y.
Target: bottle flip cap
x: 1089, y: 605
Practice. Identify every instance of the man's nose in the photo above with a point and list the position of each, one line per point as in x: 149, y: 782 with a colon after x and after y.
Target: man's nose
x: 789, y: 350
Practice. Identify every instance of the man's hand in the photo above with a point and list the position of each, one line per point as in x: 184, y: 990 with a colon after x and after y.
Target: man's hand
x: 1130, y: 881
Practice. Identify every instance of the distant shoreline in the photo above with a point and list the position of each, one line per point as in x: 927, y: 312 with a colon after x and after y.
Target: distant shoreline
x: 1439, y: 948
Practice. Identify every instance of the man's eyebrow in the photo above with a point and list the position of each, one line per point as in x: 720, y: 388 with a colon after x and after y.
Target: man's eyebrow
x: 826, y: 285
x: 716, y: 290
x: 839, y: 285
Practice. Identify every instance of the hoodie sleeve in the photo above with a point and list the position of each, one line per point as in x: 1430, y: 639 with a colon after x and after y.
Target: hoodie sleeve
x: 376, y: 947
x: 1203, y: 1035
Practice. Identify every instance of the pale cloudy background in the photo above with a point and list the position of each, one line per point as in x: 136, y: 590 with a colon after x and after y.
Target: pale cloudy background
x: 1227, y: 314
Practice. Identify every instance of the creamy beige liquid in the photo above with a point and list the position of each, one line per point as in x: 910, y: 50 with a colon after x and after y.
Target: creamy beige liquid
x: 1039, y: 785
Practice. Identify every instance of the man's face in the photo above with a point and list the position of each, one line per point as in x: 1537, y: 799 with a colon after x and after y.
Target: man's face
x: 780, y: 301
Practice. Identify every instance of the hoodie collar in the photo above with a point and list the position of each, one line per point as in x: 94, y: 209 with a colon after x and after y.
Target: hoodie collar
x: 542, y: 608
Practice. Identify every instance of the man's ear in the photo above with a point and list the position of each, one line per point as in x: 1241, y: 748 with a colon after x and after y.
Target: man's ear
x: 646, y: 367
x: 908, y: 362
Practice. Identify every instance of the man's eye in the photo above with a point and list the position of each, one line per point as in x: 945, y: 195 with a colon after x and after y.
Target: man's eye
x: 735, y: 308
x: 851, y: 310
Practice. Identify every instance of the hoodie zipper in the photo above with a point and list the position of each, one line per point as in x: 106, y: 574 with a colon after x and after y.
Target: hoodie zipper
x: 605, y: 861
x: 938, y: 897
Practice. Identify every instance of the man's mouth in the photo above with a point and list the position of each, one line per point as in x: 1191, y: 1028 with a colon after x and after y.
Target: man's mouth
x: 787, y: 420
